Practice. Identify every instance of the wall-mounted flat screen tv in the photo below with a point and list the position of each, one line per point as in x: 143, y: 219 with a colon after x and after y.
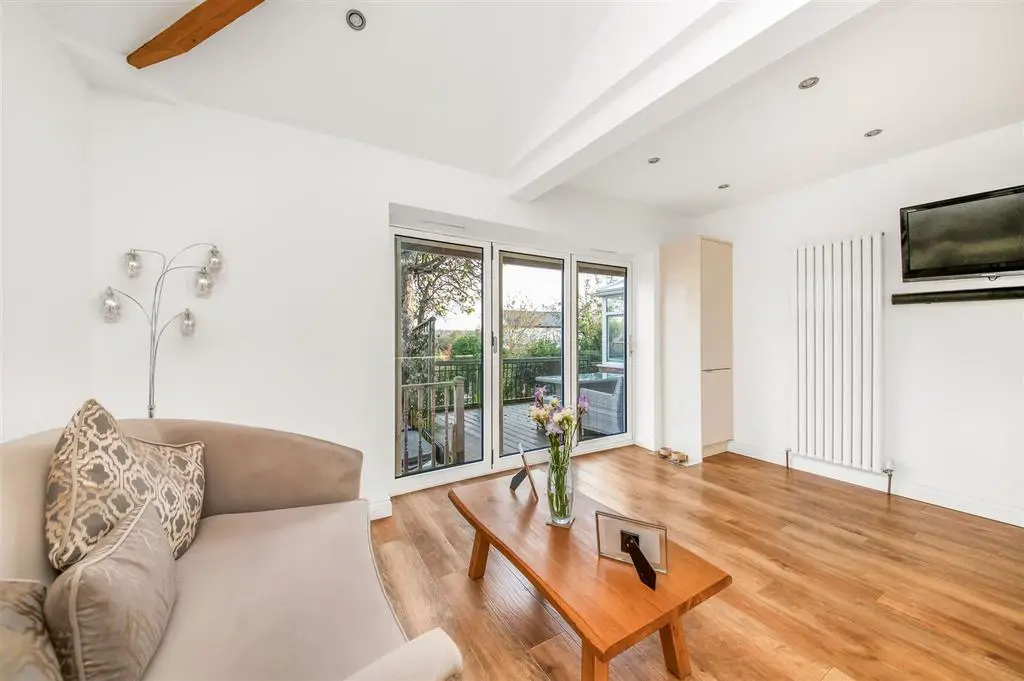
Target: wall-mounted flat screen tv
x: 981, y: 235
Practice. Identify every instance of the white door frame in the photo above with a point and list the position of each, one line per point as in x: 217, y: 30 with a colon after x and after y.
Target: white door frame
x: 568, y: 349
x: 492, y: 461
x: 609, y: 441
x: 418, y: 481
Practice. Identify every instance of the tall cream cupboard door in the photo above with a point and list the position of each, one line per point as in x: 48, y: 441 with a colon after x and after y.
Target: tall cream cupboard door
x: 715, y: 305
x: 716, y: 406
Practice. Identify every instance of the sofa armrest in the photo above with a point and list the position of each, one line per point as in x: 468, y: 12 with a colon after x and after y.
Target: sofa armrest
x: 430, y: 657
x: 255, y: 469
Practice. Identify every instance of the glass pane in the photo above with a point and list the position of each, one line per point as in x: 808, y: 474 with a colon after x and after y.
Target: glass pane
x: 601, y: 347
x: 531, y: 344
x: 440, y: 401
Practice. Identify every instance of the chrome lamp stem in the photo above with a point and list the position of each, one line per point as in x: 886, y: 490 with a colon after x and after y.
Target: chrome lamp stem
x: 205, y: 280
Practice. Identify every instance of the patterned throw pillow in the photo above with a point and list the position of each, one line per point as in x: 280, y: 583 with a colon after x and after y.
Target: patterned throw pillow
x: 108, y: 612
x: 97, y: 475
x: 26, y: 653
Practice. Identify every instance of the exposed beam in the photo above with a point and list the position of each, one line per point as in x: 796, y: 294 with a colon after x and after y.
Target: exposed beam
x: 201, y: 22
x: 751, y: 36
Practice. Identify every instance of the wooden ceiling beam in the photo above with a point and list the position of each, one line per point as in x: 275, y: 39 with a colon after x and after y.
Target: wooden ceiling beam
x: 201, y: 22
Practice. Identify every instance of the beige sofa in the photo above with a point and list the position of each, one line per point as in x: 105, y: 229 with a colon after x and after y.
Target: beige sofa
x: 280, y: 582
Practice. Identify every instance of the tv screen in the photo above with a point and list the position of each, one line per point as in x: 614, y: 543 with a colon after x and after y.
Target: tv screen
x: 977, y: 235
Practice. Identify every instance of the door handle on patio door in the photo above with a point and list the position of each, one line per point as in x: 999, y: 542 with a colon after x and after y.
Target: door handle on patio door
x: 494, y: 343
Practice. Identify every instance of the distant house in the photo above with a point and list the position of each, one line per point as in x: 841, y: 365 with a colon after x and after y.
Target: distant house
x: 522, y: 327
x: 533, y: 319
x: 613, y: 325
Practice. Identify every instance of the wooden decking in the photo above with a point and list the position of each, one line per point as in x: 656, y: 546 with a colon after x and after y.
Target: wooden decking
x: 831, y: 582
x: 518, y: 428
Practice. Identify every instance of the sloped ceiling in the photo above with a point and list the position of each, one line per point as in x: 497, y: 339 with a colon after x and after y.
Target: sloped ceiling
x: 457, y: 83
x: 546, y: 94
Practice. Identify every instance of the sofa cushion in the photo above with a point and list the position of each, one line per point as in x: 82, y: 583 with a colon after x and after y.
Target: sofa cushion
x: 98, y: 474
x: 278, y: 595
x: 26, y: 653
x: 179, y: 482
x: 108, y: 612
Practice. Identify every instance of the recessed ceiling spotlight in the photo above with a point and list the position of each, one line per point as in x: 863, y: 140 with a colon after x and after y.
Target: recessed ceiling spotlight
x: 723, y: 186
x: 808, y: 83
x: 873, y: 132
x: 355, y: 20
x: 654, y: 159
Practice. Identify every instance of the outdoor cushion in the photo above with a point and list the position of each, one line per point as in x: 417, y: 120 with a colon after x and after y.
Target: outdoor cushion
x: 108, y: 612
x: 98, y: 475
x: 26, y: 653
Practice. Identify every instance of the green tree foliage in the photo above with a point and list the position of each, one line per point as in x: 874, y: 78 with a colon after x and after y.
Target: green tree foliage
x: 467, y: 345
x: 438, y: 284
x: 542, y: 347
x: 588, y: 322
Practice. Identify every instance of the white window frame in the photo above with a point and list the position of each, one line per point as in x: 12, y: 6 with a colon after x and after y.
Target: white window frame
x: 600, y: 444
x: 492, y: 461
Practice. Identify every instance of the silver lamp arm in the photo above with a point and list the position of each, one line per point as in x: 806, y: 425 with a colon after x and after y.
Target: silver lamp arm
x: 133, y: 299
x: 205, y: 280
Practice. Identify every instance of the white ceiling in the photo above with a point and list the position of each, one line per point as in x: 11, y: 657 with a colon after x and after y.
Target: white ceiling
x: 926, y: 73
x: 548, y: 92
x: 460, y: 83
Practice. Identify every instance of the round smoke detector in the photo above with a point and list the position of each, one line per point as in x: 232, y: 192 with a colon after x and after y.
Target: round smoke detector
x: 355, y: 20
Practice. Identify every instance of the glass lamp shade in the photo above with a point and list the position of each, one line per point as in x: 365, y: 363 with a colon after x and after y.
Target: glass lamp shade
x: 188, y: 323
x: 110, y: 306
x: 215, y: 260
x: 132, y: 264
x: 204, y: 282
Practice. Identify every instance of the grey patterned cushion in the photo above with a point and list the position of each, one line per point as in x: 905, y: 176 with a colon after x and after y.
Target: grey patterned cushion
x: 108, y: 612
x: 26, y: 653
x: 98, y: 475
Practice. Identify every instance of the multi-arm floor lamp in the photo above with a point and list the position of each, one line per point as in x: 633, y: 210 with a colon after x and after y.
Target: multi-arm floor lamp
x: 205, y: 278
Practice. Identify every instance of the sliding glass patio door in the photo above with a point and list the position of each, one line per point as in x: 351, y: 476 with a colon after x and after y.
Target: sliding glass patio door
x: 442, y: 387
x: 479, y: 328
x: 602, y: 348
x: 531, y: 352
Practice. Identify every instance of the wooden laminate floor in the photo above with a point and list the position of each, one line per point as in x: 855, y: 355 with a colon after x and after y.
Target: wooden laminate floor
x: 831, y: 582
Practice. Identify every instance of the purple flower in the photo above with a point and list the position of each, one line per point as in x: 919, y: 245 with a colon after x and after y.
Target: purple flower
x: 554, y: 428
x: 583, y: 405
x: 538, y: 397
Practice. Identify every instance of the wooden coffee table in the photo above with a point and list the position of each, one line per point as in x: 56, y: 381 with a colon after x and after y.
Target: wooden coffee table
x: 602, y: 599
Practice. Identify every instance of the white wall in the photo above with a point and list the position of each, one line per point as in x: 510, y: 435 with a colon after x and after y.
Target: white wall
x: 954, y: 373
x: 299, y: 334
x: 47, y: 299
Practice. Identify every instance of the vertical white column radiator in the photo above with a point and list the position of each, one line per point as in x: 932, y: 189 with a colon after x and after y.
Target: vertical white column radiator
x: 838, y: 351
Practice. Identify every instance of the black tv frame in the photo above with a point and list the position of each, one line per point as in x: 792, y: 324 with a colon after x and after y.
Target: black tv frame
x: 990, y: 270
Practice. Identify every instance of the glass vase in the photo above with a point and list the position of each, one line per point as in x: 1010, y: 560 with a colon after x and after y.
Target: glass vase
x: 561, y: 482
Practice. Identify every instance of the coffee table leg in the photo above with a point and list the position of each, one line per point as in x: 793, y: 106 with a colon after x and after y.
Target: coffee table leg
x: 478, y: 561
x: 673, y: 644
x: 594, y: 668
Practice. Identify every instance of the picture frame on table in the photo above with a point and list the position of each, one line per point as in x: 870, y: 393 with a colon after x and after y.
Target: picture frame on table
x: 652, y: 538
x: 525, y: 473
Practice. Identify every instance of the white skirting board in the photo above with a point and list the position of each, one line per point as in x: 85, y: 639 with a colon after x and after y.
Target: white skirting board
x: 380, y: 508
x: 875, y: 481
